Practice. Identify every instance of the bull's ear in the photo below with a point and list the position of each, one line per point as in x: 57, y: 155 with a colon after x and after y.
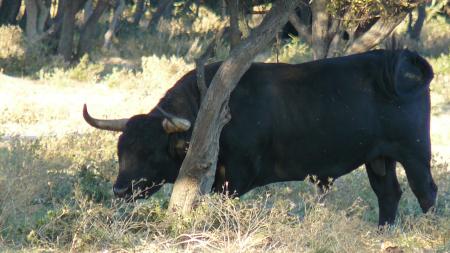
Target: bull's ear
x: 176, y: 125
x: 178, y: 147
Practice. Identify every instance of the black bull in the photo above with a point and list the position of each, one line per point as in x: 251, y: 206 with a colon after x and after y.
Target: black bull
x: 322, y: 118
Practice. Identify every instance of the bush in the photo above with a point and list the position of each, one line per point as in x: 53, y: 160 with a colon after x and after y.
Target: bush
x: 19, y: 56
x: 295, y: 51
x: 61, y: 73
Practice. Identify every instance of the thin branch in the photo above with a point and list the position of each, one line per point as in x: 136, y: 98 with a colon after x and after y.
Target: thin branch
x: 302, y: 29
x: 201, y: 61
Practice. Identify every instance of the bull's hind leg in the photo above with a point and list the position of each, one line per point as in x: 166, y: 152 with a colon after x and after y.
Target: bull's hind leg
x: 387, y: 189
x: 421, y: 182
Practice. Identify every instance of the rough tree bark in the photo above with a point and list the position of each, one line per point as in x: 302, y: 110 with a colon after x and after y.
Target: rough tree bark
x: 32, y: 19
x: 37, y: 14
x: 89, y: 29
x: 235, y: 33
x: 320, y: 35
x: 113, y: 23
x: 197, y: 171
x: 44, y: 12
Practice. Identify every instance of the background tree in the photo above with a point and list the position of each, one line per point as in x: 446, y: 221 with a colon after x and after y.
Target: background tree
x: 37, y: 15
x: 415, y: 28
x: 164, y: 7
x: 65, y: 44
x: 344, y: 27
x: 331, y: 28
x: 138, y: 12
x: 89, y: 29
x: 119, y: 7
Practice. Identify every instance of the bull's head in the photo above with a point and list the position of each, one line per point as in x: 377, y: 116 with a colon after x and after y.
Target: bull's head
x: 149, y: 150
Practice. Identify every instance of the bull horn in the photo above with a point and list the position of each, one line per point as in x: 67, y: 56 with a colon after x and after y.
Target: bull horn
x: 174, y: 124
x: 104, y: 124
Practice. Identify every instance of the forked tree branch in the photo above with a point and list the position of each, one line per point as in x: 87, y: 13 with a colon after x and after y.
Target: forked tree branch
x: 301, y: 28
x: 376, y: 34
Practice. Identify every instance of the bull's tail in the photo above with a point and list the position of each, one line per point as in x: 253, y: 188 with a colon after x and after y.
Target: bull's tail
x: 405, y: 74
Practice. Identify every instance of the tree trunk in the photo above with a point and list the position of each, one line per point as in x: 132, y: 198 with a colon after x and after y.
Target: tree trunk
x: 59, y: 11
x: 88, y: 10
x: 65, y: 44
x: 37, y: 14
x: 139, y: 12
x: 9, y: 10
x: 242, y: 19
x: 196, y: 175
x: 89, y: 29
x: 32, y: 19
x: 415, y: 30
x: 223, y: 8
x: 336, y: 41
x: 43, y: 13
x: 163, y: 6
x: 235, y: 33
x: 376, y: 34
x: 320, y: 36
x: 113, y: 23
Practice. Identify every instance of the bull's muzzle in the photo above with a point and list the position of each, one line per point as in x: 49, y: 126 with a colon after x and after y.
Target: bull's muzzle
x: 120, y: 192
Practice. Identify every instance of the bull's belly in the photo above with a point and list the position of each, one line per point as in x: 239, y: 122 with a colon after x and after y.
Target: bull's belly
x: 282, y: 171
x: 322, y: 161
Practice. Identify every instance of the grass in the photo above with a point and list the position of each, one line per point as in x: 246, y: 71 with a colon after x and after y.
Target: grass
x: 56, y: 195
x: 56, y: 172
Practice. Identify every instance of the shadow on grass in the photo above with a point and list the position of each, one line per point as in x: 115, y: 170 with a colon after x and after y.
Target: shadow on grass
x: 37, y: 177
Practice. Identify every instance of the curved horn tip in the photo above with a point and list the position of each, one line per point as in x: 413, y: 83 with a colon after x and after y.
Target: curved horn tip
x: 86, y: 115
x: 85, y: 112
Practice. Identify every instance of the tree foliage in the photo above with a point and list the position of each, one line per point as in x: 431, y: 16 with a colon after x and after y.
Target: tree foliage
x: 342, y: 22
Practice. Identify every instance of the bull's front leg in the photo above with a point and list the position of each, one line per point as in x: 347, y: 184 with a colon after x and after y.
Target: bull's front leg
x: 421, y: 182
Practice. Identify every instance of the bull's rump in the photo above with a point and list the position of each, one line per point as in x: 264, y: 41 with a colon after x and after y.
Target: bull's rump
x: 324, y: 118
